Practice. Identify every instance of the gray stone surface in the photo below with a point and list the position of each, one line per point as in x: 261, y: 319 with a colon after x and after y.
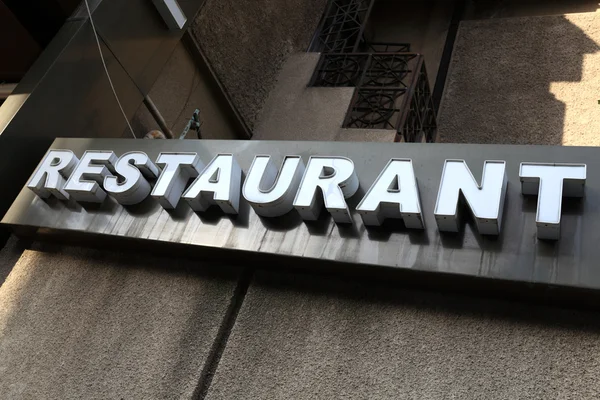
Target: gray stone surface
x: 78, y: 323
x: 248, y: 40
x: 529, y: 80
x: 313, y: 337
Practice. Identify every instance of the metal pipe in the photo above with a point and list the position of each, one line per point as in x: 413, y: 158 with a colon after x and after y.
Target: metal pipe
x: 158, y: 117
x: 6, y: 89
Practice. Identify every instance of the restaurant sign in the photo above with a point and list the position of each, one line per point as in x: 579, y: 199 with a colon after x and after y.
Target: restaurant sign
x: 525, y: 213
x: 325, y: 180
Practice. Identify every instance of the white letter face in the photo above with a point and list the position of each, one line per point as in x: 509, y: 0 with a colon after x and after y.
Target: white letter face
x: 219, y: 183
x: 271, y: 195
x: 50, y: 176
x: 393, y: 195
x: 550, y: 182
x: 134, y: 167
x: 177, y: 169
x: 336, y: 178
x: 486, y: 201
x: 84, y: 183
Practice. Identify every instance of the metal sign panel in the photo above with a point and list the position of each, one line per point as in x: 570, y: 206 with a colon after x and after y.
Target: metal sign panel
x: 354, y: 224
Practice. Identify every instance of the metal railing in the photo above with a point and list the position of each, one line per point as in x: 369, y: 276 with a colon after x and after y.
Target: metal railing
x: 342, y: 27
x: 392, y: 92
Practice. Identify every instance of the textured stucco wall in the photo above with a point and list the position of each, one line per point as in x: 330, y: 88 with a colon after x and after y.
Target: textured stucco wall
x: 308, y: 337
x: 247, y: 41
x: 77, y: 323
x: 80, y: 323
x: 529, y: 80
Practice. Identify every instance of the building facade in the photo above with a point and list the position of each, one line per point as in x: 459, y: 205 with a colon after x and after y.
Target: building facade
x: 91, y: 320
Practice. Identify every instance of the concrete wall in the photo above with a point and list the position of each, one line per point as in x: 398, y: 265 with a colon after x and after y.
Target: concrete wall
x: 81, y: 323
x: 528, y: 80
x: 78, y: 323
x: 247, y: 41
x: 307, y: 337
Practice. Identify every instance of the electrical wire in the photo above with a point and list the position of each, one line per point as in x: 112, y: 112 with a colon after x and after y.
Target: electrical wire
x: 106, y: 69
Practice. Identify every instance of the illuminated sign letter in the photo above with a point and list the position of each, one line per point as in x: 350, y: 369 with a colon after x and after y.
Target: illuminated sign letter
x: 393, y: 195
x: 550, y: 182
x: 270, y: 194
x: 177, y: 169
x: 486, y: 201
x: 89, y: 174
x: 50, y: 176
x: 337, y: 181
x: 134, y: 167
x: 219, y: 183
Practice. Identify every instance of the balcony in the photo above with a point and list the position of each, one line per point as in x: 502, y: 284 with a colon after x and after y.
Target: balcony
x: 391, y: 90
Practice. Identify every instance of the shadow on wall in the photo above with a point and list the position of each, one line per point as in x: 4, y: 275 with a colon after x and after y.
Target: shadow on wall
x: 119, y: 324
x: 421, y: 23
x: 247, y: 42
x: 326, y: 338
x: 480, y: 9
x: 529, y: 80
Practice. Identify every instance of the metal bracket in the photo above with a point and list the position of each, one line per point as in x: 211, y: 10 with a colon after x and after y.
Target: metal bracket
x: 193, y: 124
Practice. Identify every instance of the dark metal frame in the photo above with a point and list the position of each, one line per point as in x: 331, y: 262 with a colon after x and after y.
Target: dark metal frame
x: 418, y: 122
x: 388, y: 47
x: 340, y: 70
x: 389, y: 93
x: 375, y: 108
x: 342, y: 27
x: 392, y: 92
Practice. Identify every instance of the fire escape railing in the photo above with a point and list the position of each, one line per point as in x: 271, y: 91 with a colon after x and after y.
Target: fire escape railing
x: 391, y: 85
x: 342, y: 27
x: 392, y: 92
